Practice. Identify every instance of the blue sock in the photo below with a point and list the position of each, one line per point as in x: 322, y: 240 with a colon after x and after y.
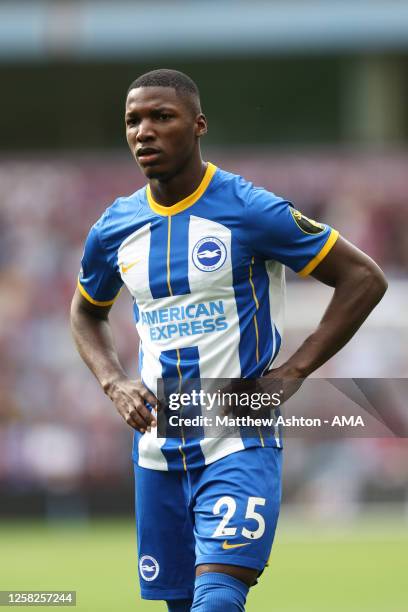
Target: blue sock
x: 179, y: 605
x: 216, y: 592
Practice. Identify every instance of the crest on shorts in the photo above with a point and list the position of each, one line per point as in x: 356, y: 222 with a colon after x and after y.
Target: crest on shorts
x: 308, y: 226
x: 149, y: 568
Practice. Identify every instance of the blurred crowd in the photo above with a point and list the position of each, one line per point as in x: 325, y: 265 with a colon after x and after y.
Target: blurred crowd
x: 56, y: 427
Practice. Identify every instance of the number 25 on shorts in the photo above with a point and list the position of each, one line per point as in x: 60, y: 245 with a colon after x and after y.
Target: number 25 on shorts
x: 222, y: 530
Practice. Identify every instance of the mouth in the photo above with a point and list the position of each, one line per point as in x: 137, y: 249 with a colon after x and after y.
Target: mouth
x: 147, y: 155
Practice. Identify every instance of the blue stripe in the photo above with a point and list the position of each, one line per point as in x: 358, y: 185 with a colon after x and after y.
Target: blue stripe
x: 269, y: 436
x: 140, y: 364
x: 179, y: 255
x: 171, y: 384
x: 189, y: 365
x: 246, y: 308
x: 136, y: 434
x: 278, y: 343
x: 269, y: 339
x: 189, y: 362
x: 136, y: 313
x: 260, y: 281
x: 190, y: 371
x: 158, y: 258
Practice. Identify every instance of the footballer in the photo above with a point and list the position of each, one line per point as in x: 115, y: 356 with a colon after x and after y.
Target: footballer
x: 202, y: 252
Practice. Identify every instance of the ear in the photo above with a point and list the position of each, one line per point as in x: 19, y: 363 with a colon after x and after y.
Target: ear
x: 201, y: 125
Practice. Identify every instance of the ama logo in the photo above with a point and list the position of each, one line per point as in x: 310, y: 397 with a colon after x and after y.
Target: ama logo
x: 149, y: 568
x: 209, y: 254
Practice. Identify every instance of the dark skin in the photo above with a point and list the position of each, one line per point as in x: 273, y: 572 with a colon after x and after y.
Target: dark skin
x: 158, y: 119
x: 163, y: 131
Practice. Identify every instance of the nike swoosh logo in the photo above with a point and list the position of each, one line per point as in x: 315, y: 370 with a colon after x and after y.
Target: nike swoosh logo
x: 227, y: 546
x: 126, y: 268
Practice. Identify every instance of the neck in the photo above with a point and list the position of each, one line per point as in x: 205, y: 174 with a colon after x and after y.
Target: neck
x: 171, y: 190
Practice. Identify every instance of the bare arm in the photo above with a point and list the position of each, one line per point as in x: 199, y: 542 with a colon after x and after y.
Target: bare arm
x: 93, y: 337
x: 359, y: 284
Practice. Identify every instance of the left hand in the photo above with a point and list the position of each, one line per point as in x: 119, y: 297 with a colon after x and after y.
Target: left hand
x: 284, y: 380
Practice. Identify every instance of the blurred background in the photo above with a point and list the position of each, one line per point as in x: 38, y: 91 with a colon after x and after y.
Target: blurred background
x: 308, y: 99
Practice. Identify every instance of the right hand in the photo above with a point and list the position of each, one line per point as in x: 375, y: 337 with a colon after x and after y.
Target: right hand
x: 130, y: 397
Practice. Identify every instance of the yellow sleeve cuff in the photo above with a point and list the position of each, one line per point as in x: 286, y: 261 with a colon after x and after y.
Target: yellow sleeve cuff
x: 313, y: 263
x: 90, y: 299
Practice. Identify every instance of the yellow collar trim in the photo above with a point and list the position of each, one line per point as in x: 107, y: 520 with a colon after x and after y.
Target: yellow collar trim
x: 168, y: 211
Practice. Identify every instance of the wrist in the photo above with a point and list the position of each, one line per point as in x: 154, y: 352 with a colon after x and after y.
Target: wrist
x: 292, y: 371
x: 110, y: 383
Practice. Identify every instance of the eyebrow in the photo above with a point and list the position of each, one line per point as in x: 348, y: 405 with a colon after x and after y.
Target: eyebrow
x: 156, y: 109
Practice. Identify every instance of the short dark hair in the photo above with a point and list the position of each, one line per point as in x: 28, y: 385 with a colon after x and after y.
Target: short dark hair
x: 165, y: 77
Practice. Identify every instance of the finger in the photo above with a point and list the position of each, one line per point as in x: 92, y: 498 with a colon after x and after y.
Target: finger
x: 128, y: 412
x: 149, y: 397
x: 145, y: 414
x: 136, y: 416
x: 135, y: 422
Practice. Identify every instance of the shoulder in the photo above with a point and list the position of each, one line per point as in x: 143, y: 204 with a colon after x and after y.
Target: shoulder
x: 234, y: 184
x: 262, y: 201
x: 117, y: 218
x: 251, y: 195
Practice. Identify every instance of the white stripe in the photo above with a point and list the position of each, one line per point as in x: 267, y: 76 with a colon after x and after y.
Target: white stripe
x: 134, y: 254
x: 150, y: 454
x: 216, y: 285
x: 277, y: 288
x: 268, y: 365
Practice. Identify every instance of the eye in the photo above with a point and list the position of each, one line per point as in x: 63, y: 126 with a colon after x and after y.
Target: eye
x: 165, y: 116
x: 132, y: 121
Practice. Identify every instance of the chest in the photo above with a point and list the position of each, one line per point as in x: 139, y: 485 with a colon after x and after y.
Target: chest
x: 180, y: 255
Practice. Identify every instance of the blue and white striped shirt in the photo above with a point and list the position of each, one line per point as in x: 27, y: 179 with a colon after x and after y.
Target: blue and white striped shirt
x: 207, y: 280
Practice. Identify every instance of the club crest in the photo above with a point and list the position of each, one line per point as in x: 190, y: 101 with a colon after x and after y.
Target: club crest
x: 209, y: 254
x: 149, y: 568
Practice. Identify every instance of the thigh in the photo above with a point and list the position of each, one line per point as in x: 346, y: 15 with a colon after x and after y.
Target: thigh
x: 164, y: 535
x: 236, y: 507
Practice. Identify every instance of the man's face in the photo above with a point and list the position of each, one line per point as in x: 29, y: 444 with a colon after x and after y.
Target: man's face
x: 161, y: 130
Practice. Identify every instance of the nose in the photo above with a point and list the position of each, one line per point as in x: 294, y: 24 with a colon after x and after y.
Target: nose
x: 145, y: 131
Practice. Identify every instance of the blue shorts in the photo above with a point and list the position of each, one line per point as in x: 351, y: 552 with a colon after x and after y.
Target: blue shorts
x: 225, y: 512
